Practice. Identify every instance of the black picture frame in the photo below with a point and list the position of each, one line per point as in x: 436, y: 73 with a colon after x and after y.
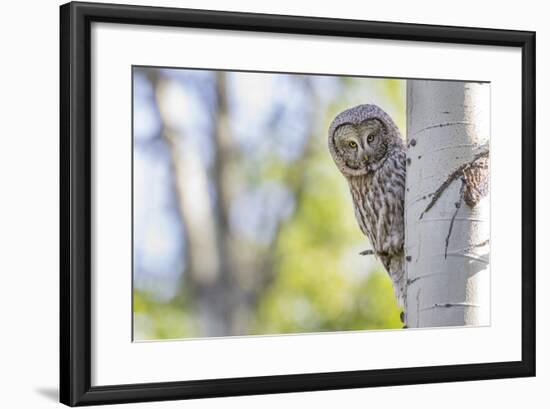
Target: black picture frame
x: 76, y: 199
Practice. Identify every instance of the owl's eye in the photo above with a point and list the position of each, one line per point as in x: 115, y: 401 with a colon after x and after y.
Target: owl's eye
x: 370, y: 138
x: 352, y: 144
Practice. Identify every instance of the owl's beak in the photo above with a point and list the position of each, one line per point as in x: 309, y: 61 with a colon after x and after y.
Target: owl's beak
x: 366, y: 157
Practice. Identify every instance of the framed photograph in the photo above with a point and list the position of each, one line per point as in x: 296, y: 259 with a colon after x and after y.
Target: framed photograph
x: 257, y: 204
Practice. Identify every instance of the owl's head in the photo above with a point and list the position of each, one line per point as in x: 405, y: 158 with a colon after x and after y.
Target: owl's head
x: 359, y: 139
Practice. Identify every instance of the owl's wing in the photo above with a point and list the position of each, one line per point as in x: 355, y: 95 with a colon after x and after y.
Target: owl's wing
x: 365, y: 227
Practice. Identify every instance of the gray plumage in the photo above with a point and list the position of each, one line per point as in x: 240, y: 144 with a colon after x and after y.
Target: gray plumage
x: 368, y: 149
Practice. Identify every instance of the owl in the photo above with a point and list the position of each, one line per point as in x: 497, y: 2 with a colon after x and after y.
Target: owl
x: 369, y: 151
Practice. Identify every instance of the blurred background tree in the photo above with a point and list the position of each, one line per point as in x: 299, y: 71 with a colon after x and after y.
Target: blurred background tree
x: 242, y: 224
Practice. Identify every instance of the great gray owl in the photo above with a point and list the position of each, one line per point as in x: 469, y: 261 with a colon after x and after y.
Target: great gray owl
x: 368, y: 149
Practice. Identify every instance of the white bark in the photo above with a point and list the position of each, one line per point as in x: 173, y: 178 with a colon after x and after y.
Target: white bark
x: 448, y: 124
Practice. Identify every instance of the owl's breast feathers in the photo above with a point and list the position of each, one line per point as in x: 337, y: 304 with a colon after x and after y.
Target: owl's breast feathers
x: 378, y: 199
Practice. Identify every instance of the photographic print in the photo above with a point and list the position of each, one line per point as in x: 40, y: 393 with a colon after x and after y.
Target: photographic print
x: 280, y: 203
x: 234, y: 204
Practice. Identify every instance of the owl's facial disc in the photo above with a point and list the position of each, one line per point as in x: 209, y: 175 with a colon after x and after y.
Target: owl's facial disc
x: 350, y: 149
x: 360, y: 146
x: 371, y: 133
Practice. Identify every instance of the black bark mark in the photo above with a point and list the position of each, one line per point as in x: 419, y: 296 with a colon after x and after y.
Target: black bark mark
x: 457, y: 205
x: 478, y: 166
x: 474, y: 186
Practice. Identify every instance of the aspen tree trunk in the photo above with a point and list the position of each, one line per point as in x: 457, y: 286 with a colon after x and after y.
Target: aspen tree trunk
x: 447, y: 204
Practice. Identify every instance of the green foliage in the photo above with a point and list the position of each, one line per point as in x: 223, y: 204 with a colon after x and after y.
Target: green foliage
x: 320, y: 282
x: 156, y: 319
x: 313, y: 291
